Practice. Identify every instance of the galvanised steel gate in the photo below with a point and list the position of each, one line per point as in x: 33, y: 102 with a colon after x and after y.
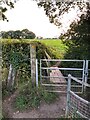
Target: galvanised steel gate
x: 54, y: 72
x: 87, y: 70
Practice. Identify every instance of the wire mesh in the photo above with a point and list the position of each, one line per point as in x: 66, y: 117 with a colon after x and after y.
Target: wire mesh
x: 78, y: 107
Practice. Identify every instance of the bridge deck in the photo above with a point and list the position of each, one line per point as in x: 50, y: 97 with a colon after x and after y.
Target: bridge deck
x: 56, y: 76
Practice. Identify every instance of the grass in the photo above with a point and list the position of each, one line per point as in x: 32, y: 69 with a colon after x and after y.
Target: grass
x: 31, y: 97
x: 56, y: 45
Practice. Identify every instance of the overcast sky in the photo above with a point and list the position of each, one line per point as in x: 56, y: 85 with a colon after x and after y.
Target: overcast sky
x: 26, y: 14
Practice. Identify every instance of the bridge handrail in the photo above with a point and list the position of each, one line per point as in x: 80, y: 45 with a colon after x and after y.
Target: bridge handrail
x: 62, y: 60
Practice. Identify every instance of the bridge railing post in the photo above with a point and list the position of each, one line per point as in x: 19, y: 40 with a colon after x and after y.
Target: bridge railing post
x: 68, y: 94
x: 36, y: 73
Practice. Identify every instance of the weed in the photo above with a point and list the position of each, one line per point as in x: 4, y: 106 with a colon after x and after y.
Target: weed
x: 32, y: 97
x: 21, y: 102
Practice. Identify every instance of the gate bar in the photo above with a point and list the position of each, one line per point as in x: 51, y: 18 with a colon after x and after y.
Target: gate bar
x: 36, y: 73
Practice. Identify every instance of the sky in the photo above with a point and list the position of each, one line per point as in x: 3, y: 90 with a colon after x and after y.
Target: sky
x: 26, y: 14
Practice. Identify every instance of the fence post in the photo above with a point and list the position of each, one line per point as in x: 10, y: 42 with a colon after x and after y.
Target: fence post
x: 41, y: 71
x: 68, y: 94
x: 33, y: 62
x: 83, y: 76
x: 86, y: 74
x: 36, y: 73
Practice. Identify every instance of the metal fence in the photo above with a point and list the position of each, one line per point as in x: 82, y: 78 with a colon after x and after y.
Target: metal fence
x: 61, y: 69
x: 77, y: 107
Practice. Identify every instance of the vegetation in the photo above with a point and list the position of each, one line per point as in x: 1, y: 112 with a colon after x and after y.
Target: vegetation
x: 24, y: 34
x: 79, y: 32
x: 50, y: 9
x: 32, y: 97
x: 15, y: 55
x: 57, y: 47
x: 5, y: 4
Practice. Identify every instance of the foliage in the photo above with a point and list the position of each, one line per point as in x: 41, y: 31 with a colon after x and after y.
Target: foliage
x: 17, y: 53
x: 80, y: 52
x: 28, y: 34
x: 56, y: 46
x: 5, y: 92
x: 31, y: 97
x: 4, y: 5
x: 79, y: 45
x: 80, y: 31
x: 55, y: 10
x: 24, y: 34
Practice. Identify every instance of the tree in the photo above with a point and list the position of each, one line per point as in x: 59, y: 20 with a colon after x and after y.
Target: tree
x: 5, y: 4
x: 55, y: 10
x: 9, y: 34
x: 17, y: 34
x: 80, y: 30
x: 28, y: 34
x: 24, y: 34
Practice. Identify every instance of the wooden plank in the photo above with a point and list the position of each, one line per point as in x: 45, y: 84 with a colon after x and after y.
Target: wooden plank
x: 57, y: 73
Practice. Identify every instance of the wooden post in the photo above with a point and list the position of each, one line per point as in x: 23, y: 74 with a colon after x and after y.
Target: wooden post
x: 33, y: 62
x: 11, y: 78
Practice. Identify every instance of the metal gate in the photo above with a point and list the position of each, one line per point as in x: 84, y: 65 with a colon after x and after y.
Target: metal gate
x: 54, y: 74
x: 87, y: 70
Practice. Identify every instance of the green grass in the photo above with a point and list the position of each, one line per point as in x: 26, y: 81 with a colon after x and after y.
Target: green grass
x: 56, y: 45
x: 31, y: 97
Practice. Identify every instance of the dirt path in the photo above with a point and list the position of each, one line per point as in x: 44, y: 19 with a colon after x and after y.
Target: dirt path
x: 54, y: 110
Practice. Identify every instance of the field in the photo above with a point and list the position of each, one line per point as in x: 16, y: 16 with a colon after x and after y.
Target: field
x: 57, y: 46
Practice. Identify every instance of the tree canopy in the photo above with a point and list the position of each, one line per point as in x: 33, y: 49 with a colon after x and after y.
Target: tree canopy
x: 55, y: 10
x: 81, y: 30
x: 4, y: 6
x: 24, y: 34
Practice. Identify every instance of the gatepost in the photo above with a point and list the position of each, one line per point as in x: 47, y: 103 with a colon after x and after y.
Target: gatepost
x: 33, y: 62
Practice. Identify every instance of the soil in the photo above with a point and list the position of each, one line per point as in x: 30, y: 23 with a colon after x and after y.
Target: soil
x: 53, y: 110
